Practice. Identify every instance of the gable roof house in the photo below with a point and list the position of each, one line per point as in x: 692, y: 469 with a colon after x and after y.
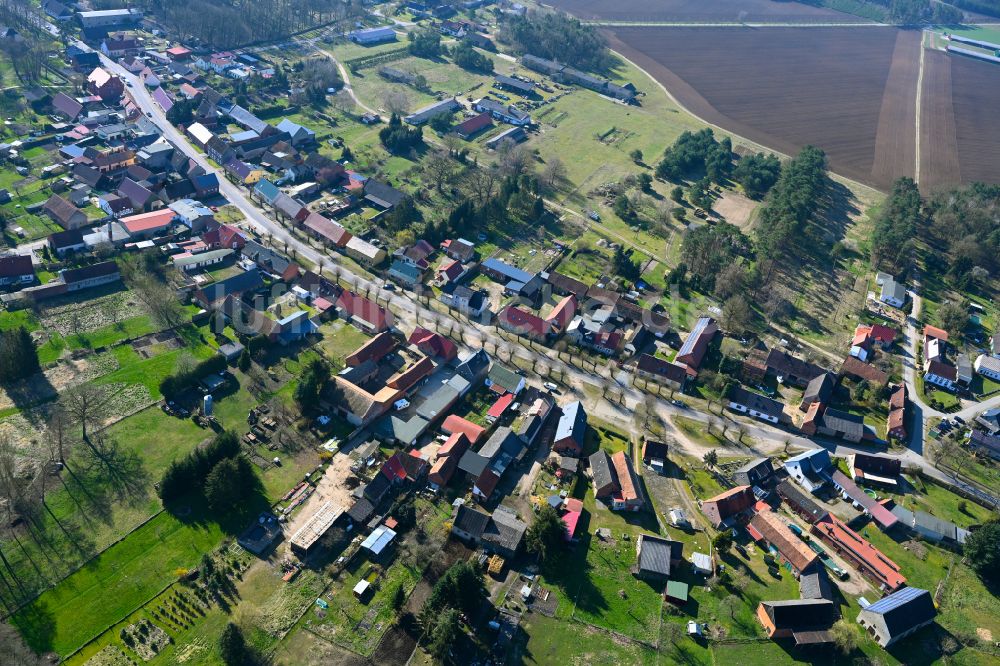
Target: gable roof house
x: 696, y: 344
x: 819, y: 389
x: 382, y: 195
x: 875, y: 470
x: 106, y: 86
x: 64, y: 213
x: 523, y: 323
x: 807, y: 621
x: 843, y: 425
x: 859, y: 553
x: 16, y: 270
x: 215, y: 294
x: 757, y: 472
x: 756, y: 405
x: 271, y: 261
x: 767, y: 526
x: 671, y: 374
x: 66, y: 106
x: 941, y: 374
x: 857, y: 369
x: 723, y: 507
x: 615, y: 481
x: 502, y: 379
x: 571, y: 430
x: 810, y: 469
x: 898, y: 615
x: 63, y: 242
x: 363, y: 313
x: 799, y: 502
x: 656, y: 557
x: 896, y: 426
x: 654, y: 455
x: 791, y: 370
x: 433, y: 344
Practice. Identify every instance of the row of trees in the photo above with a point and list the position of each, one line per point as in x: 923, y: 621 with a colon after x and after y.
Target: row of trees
x: 229, y: 23
x: 559, y: 37
x: 791, y: 204
x: 896, y: 225
x: 469, y: 58
x: 18, y: 356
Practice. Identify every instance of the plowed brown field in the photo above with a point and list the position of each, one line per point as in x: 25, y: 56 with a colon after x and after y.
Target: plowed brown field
x: 850, y: 91
x: 701, y: 11
x: 975, y: 89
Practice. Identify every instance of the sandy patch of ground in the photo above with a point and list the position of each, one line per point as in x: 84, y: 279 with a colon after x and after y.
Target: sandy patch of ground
x: 332, y: 487
x: 984, y: 634
x: 735, y: 209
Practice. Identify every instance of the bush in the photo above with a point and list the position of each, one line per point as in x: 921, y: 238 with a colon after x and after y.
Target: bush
x: 181, y: 381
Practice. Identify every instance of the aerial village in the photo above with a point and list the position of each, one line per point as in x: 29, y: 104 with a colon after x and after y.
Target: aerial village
x: 449, y: 404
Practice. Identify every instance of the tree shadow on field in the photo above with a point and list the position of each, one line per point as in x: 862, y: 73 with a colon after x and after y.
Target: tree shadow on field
x: 37, y: 624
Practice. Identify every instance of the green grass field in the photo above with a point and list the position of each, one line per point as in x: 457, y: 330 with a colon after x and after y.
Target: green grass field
x: 118, y: 581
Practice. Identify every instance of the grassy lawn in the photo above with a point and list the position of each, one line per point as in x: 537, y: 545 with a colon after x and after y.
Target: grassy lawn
x: 555, y: 641
x: 359, y: 625
x: 119, y: 580
x: 937, y: 501
x: 339, y: 340
x: 106, y: 336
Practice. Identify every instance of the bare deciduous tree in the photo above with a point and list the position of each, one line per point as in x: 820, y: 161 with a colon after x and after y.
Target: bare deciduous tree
x: 396, y: 101
x: 87, y: 404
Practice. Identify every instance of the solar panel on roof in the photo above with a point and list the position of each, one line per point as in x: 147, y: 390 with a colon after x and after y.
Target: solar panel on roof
x: 895, y: 600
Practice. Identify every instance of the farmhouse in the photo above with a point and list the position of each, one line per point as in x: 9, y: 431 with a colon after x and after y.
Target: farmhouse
x: 693, y: 350
x: 654, y: 455
x: 571, y: 431
x: 756, y: 405
x: 819, y: 389
x: 755, y: 473
x: 615, y: 481
x: 791, y: 370
x: 720, y: 509
x: 768, y: 527
x: 805, y: 620
x: 883, y: 572
x: 655, y: 556
x: 875, y: 470
x: 810, y: 469
x: 656, y: 369
x: 940, y: 374
x: 898, y: 615
x: 16, y: 270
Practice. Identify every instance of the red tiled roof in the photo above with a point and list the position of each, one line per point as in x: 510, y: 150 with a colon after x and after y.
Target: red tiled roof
x: 456, y: 424
x: 433, y: 344
x: 364, y: 309
x: 623, y: 468
x: 454, y: 446
x: 474, y: 124
x: 934, y: 332
x: 404, y: 380
x: 876, y: 564
x: 225, y: 235
x: 563, y: 313
x: 393, y: 468
x: 158, y: 219
x: 773, y: 529
x: 523, y: 322
x: 500, y: 406
x: 373, y: 350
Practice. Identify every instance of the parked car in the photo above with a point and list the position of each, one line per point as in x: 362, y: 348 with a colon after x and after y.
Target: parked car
x: 550, y: 386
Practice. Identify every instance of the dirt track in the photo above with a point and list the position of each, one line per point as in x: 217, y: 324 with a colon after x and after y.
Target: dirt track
x: 707, y: 11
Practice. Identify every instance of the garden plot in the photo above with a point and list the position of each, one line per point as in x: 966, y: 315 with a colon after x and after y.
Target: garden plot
x: 110, y: 656
x: 48, y: 384
x: 145, y: 638
x: 74, y: 317
x: 156, y: 343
